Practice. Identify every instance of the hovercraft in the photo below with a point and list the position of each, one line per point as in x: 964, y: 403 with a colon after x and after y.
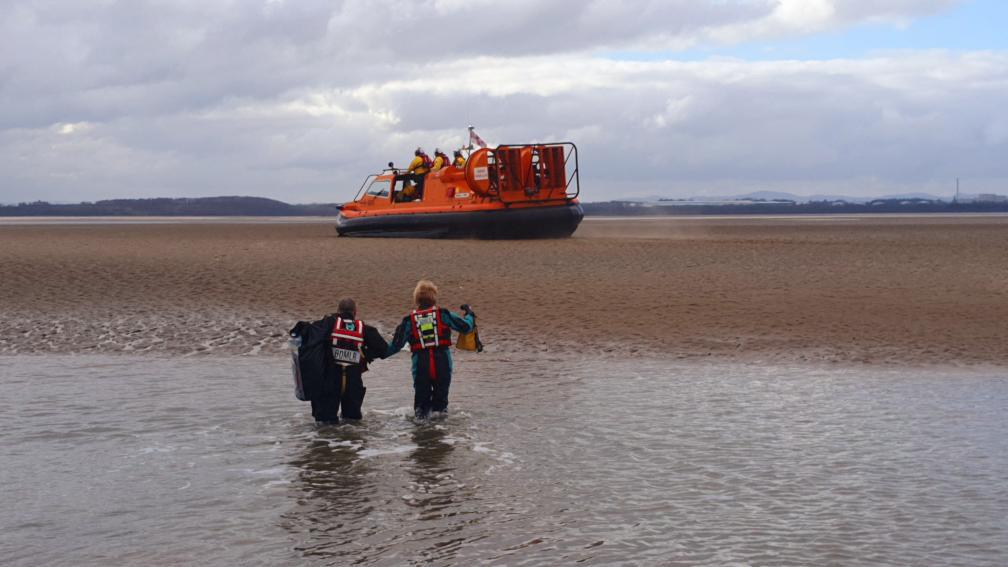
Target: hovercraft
x: 511, y: 191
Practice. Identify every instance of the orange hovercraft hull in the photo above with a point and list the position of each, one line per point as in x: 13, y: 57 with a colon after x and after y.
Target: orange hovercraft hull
x: 511, y: 191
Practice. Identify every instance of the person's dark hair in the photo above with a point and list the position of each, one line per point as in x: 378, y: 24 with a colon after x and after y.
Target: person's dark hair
x: 347, y: 308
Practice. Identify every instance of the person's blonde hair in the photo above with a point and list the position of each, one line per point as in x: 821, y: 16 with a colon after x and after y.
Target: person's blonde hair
x: 425, y: 294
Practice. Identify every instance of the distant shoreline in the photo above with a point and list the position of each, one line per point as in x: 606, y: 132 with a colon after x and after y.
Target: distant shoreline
x: 290, y: 220
x: 258, y: 207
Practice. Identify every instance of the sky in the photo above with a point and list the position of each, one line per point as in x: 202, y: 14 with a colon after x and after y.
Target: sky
x: 299, y: 100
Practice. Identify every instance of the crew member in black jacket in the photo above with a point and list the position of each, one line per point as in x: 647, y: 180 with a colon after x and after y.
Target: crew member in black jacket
x: 334, y: 353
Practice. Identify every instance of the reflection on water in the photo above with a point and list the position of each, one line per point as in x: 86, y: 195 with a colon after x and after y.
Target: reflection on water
x: 148, y: 460
x: 429, y: 464
x: 434, y: 490
x: 332, y: 490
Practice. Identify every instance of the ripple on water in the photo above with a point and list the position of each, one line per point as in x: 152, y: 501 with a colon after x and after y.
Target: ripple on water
x: 160, y: 460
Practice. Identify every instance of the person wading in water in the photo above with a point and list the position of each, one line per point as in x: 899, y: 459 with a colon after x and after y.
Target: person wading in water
x: 333, y: 354
x: 427, y: 329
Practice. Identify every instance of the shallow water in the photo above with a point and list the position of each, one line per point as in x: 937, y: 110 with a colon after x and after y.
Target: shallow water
x: 111, y: 460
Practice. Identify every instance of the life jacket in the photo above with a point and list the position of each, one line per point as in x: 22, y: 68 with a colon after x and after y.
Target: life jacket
x: 444, y: 161
x: 429, y: 330
x: 348, y: 341
x: 420, y: 165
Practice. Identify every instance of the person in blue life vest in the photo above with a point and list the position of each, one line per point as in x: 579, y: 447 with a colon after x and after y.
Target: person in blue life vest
x: 427, y: 329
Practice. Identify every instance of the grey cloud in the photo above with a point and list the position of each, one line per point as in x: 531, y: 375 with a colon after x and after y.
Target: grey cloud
x: 421, y: 31
x: 914, y: 119
x: 904, y: 122
x: 193, y: 51
x: 299, y: 100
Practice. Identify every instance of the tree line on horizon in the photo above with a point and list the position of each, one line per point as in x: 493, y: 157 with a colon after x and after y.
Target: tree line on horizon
x: 202, y: 206
x: 261, y: 206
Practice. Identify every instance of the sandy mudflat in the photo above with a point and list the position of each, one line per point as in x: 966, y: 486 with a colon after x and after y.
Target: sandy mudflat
x: 848, y: 289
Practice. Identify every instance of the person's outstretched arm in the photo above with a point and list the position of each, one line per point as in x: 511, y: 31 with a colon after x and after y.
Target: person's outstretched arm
x: 374, y: 345
x: 459, y: 323
x: 399, y: 338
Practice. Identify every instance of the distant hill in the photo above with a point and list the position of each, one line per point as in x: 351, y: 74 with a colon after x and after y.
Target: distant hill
x: 780, y: 196
x: 169, y: 207
x: 769, y: 196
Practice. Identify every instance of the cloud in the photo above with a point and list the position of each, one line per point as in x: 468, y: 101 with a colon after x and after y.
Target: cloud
x: 797, y: 17
x: 905, y: 119
x: 300, y: 100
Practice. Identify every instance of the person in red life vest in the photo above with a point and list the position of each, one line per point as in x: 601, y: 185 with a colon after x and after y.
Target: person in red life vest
x: 354, y: 345
x: 427, y: 329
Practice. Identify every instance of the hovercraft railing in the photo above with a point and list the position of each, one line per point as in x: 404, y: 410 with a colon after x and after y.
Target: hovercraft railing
x: 373, y: 176
x: 545, y: 172
x: 511, y: 181
x: 367, y: 183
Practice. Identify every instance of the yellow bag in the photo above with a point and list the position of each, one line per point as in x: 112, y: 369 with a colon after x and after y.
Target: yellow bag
x: 469, y: 341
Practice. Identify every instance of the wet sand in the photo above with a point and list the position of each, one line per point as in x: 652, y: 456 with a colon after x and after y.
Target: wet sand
x: 914, y: 289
